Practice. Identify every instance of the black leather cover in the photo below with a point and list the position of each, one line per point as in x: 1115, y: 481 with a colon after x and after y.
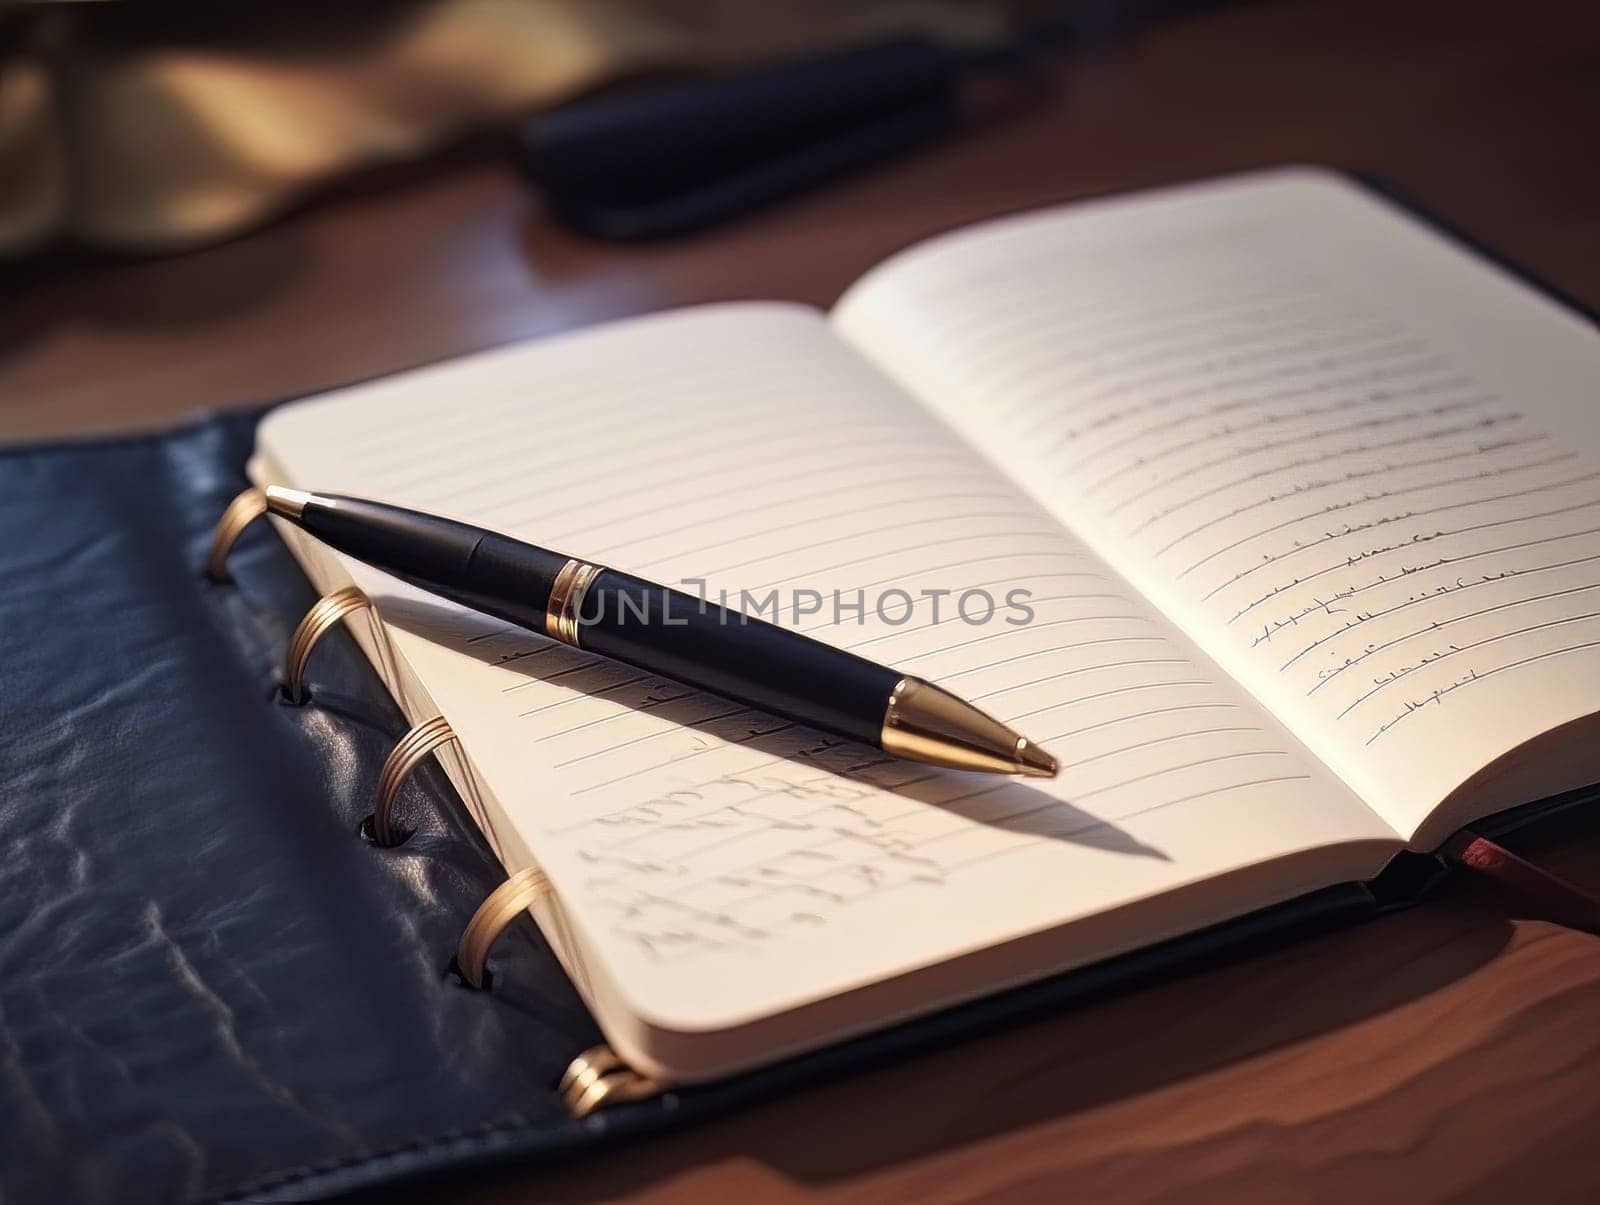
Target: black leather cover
x: 212, y: 986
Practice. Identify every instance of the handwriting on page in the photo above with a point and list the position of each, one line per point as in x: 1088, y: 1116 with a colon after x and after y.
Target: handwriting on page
x: 707, y: 825
x: 1320, y: 480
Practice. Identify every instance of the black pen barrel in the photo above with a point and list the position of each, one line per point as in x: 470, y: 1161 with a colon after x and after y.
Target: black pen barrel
x: 682, y: 637
x: 488, y: 572
x: 626, y: 618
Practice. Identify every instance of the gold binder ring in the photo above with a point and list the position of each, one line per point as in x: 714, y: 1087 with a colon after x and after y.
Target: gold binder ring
x: 499, y: 908
x: 325, y: 613
x: 597, y: 1077
x: 242, y: 511
x: 404, y: 758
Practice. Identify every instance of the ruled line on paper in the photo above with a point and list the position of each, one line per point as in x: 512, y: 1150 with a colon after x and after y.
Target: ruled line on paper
x: 1336, y: 376
x: 460, y: 449
x: 1236, y: 451
x: 1271, y: 559
x: 1367, y: 387
x: 1323, y: 456
x: 1431, y: 595
x: 1231, y: 429
x: 1472, y: 677
x: 1002, y: 346
x: 1439, y: 625
x: 1379, y: 496
x: 810, y: 495
x: 1157, y: 357
x: 1308, y: 359
x: 765, y: 534
x: 1300, y: 489
x: 1417, y: 539
x: 1401, y: 671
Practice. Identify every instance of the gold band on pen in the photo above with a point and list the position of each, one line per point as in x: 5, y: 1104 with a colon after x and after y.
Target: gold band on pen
x: 566, y: 600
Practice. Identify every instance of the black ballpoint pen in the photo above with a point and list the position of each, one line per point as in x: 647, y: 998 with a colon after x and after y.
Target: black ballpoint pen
x: 665, y: 632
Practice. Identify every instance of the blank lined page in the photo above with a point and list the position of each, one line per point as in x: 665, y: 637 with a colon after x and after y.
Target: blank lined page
x: 1358, y: 465
x: 717, y: 864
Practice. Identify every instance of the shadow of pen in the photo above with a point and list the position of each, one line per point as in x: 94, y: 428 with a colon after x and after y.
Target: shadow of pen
x: 1012, y: 805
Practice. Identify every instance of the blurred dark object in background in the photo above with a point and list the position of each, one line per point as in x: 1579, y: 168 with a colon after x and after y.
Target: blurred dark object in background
x: 670, y: 158
x: 166, y: 126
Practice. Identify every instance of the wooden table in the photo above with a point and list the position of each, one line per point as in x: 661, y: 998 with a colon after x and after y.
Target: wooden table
x: 1449, y: 1052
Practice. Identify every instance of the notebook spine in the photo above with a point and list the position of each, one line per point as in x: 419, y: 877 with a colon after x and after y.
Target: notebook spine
x: 596, y: 1078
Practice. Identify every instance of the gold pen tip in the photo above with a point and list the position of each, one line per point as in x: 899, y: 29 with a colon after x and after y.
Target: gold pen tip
x: 927, y: 723
x: 1034, y: 762
x: 281, y: 500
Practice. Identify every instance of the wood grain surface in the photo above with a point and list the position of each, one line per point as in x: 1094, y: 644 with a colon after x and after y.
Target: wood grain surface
x: 1451, y: 1052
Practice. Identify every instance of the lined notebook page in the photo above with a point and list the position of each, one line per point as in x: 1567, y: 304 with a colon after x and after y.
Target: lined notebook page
x: 719, y: 864
x: 1358, y: 466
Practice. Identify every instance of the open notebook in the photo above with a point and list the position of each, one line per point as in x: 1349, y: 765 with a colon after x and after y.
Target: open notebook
x: 1304, y: 498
